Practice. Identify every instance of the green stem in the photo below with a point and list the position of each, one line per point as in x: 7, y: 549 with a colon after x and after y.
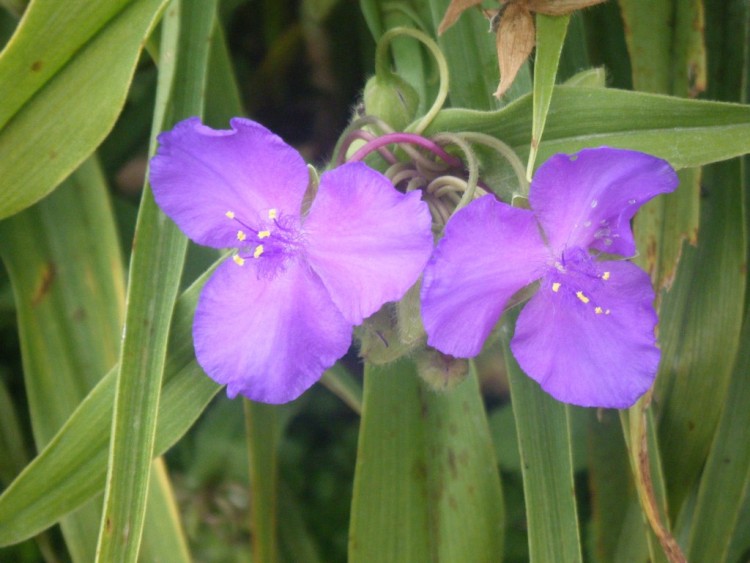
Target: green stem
x: 382, y: 69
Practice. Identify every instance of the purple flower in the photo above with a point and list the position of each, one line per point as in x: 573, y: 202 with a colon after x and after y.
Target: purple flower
x: 587, y: 335
x: 281, y: 311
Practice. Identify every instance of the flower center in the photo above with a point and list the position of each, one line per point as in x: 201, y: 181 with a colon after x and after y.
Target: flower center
x: 576, y: 277
x: 270, y: 244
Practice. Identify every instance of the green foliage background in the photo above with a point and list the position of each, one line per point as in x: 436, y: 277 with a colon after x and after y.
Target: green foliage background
x: 97, y: 290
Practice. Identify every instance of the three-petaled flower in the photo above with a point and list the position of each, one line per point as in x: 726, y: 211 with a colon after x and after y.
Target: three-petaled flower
x: 281, y: 311
x: 587, y: 334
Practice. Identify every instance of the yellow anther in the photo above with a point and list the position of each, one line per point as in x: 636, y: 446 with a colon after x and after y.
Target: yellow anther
x: 556, y: 287
x: 230, y: 214
x: 605, y: 276
x: 239, y: 260
x: 258, y: 251
x: 273, y: 213
x: 241, y: 236
x: 598, y: 311
x: 264, y: 234
x: 582, y: 297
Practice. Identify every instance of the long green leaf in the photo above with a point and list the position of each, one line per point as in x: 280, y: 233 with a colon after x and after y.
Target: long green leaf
x: 684, y: 132
x: 725, y: 482
x: 717, y: 527
x: 701, y: 319
x: 263, y: 433
x: 155, y: 271
x: 550, y: 33
x: 426, y: 484
x: 70, y: 292
x: 699, y: 332
x: 611, y: 486
x: 543, y: 431
x: 85, y: 55
x: 72, y: 468
x: 68, y: 286
x: 665, y: 43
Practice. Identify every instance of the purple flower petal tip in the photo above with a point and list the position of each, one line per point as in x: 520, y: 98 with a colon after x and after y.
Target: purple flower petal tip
x: 588, y: 199
x: 199, y: 174
x: 281, y: 311
x: 587, y: 335
x: 267, y: 338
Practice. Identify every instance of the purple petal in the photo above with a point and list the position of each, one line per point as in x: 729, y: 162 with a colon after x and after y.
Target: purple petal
x: 199, y: 174
x: 267, y: 338
x: 590, y: 341
x: 366, y: 241
x: 490, y: 250
x: 588, y: 199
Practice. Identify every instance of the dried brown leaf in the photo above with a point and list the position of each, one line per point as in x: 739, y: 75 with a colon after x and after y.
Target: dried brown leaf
x: 558, y: 7
x: 455, y: 9
x: 515, y: 39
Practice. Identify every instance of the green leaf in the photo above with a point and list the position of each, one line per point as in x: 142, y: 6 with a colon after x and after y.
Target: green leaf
x: 543, y: 428
x: 699, y: 329
x: 72, y: 468
x: 63, y: 81
x: 611, y: 486
x: 684, y: 132
x: 426, y: 485
x: 155, y: 271
x: 550, y: 36
x: 263, y: 433
x: 701, y: 317
x: 648, y: 34
x: 68, y: 287
x: 70, y: 295
x: 665, y: 42
x: 726, y: 478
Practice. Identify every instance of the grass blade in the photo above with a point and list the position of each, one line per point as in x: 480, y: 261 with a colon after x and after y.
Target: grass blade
x: 155, y: 272
x: 543, y: 431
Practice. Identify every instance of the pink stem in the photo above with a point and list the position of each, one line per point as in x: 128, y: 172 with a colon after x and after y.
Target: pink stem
x: 365, y: 136
x: 410, y: 138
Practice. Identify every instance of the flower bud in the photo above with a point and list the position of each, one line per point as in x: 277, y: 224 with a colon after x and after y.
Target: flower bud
x: 392, y: 99
x: 379, y: 342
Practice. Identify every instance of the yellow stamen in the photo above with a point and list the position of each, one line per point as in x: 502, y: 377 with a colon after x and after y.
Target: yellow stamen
x: 598, y: 311
x: 230, y: 214
x: 258, y: 251
x: 239, y: 260
x: 273, y: 213
x: 264, y: 234
x: 605, y: 276
x: 241, y: 236
x: 556, y: 287
x: 582, y: 297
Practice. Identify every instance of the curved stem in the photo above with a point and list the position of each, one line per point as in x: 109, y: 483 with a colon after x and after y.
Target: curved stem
x: 508, y: 153
x: 471, y: 162
x: 408, y: 138
x: 345, y: 140
x: 381, y: 68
